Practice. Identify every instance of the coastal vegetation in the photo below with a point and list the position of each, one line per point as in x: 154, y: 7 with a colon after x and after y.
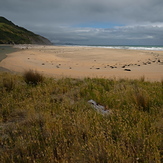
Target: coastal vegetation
x: 50, y: 120
x: 13, y: 34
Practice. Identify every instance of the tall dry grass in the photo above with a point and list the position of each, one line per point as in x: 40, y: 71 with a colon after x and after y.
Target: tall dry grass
x: 33, y: 77
x: 52, y: 122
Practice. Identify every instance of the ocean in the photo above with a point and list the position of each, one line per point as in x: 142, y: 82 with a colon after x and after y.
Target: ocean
x: 135, y: 47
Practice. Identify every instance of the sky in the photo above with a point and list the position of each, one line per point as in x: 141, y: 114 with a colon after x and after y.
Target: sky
x: 89, y: 22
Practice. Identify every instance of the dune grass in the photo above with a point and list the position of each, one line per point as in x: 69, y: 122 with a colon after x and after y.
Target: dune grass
x: 52, y: 121
x: 33, y: 77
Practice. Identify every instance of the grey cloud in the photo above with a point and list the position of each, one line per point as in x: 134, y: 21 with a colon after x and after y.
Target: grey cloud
x: 56, y: 19
x: 120, y: 35
x: 71, y: 11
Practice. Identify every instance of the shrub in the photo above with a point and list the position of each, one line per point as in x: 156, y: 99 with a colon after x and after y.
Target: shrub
x: 141, y: 100
x: 33, y: 77
x: 142, y: 79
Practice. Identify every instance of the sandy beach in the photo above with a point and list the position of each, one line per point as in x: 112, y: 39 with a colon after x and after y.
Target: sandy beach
x: 80, y: 61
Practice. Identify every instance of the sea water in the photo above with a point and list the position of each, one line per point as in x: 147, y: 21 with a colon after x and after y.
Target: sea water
x: 5, y: 49
x: 135, y: 47
x: 152, y: 48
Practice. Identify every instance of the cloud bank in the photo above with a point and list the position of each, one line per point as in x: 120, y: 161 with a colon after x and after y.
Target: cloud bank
x: 90, y: 21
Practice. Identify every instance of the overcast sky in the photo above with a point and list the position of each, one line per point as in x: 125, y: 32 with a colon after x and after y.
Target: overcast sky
x: 90, y: 22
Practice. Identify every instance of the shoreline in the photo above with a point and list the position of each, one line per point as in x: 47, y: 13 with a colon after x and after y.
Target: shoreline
x: 6, y: 49
x: 82, y: 61
x: 126, y: 47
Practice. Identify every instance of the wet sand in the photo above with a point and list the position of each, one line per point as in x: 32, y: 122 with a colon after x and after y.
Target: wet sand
x: 79, y: 62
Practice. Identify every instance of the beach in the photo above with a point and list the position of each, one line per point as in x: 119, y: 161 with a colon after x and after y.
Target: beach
x: 83, y: 61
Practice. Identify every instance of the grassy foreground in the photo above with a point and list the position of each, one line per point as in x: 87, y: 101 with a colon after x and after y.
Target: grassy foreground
x: 51, y: 121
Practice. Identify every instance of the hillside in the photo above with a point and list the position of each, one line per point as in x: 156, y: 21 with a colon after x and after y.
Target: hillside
x: 13, y: 34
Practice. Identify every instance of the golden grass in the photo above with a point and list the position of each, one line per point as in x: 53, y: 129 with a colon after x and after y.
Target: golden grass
x: 33, y: 77
x: 52, y: 121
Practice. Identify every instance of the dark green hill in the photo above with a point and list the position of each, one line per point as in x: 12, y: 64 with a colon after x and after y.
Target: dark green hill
x: 13, y: 34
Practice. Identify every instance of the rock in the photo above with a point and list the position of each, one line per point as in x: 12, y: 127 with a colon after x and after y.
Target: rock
x: 127, y: 69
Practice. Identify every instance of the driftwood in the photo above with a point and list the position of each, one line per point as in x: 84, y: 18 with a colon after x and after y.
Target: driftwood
x: 99, y: 108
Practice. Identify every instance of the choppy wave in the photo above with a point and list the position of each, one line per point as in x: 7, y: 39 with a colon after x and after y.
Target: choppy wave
x: 152, y: 48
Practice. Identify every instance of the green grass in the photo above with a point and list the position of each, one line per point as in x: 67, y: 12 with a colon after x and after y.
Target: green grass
x: 10, y: 33
x: 52, y: 121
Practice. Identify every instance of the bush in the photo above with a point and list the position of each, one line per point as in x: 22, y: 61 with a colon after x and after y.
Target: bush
x: 142, y: 101
x: 33, y: 77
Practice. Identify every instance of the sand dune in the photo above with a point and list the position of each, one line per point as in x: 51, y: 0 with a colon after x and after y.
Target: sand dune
x: 79, y: 62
